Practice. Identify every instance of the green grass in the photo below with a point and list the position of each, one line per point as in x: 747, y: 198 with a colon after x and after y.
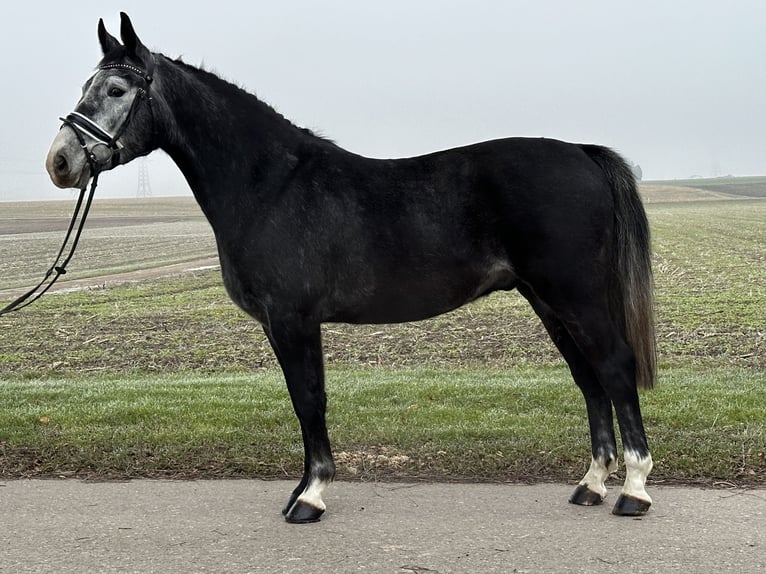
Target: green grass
x: 527, y: 424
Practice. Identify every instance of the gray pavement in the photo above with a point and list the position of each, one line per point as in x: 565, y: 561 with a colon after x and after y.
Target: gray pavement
x: 236, y: 527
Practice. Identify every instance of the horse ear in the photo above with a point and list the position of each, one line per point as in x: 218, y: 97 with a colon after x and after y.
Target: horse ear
x: 130, y: 39
x: 107, y: 41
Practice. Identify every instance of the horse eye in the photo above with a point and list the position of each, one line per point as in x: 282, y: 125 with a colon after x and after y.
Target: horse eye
x: 115, y: 92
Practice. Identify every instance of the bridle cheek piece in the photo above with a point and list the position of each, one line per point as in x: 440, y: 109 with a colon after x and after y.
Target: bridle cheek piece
x: 83, y: 126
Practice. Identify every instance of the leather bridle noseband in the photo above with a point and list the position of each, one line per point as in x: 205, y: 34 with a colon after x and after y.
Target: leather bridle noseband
x: 84, y: 127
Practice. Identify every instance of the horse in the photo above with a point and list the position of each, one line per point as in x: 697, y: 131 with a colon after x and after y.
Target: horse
x: 308, y: 232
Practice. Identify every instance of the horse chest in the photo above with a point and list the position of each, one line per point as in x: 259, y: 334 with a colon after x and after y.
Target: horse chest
x: 245, y: 290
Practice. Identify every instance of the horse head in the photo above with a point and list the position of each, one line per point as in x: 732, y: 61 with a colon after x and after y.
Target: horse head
x: 112, y: 123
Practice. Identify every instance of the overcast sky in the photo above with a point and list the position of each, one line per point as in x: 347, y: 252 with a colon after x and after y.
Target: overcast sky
x: 676, y: 86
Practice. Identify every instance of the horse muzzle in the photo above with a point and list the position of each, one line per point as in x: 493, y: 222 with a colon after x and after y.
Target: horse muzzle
x: 67, y: 164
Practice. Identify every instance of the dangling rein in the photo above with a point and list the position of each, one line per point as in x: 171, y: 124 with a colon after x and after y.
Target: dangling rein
x: 81, y: 124
x: 57, y: 270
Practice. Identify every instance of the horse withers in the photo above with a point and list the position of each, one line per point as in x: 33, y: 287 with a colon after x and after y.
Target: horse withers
x: 308, y: 232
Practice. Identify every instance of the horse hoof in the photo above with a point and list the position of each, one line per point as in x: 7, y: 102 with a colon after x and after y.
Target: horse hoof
x: 584, y: 496
x: 630, y: 506
x: 302, y: 513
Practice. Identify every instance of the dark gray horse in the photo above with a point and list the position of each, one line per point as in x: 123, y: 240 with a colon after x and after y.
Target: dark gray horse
x: 308, y: 232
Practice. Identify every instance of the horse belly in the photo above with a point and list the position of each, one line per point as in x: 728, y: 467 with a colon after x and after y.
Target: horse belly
x: 399, y: 298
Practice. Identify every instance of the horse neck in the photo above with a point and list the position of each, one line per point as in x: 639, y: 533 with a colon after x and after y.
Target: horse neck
x: 223, y: 139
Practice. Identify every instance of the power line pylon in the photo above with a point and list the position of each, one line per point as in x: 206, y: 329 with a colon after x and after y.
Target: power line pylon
x: 144, y: 186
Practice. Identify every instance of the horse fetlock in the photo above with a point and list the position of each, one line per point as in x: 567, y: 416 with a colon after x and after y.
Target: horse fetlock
x: 634, y: 500
x: 595, y: 479
x: 308, y: 506
x: 312, y: 495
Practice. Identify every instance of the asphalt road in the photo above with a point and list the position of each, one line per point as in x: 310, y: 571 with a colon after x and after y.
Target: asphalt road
x: 236, y: 527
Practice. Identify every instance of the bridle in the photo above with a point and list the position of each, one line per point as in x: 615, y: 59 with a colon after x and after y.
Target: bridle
x: 84, y: 127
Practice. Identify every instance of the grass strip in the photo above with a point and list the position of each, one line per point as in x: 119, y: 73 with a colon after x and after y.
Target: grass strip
x: 528, y: 424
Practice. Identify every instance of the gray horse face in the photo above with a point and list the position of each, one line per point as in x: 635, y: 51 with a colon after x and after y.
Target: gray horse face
x: 106, y: 101
x: 112, y: 123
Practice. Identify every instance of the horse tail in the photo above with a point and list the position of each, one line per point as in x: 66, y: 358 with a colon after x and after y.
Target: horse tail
x: 632, y: 292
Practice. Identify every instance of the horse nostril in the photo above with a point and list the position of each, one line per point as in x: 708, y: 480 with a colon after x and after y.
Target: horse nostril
x: 61, y: 164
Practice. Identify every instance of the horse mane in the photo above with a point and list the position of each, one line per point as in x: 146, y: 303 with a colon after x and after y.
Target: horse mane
x: 229, y: 89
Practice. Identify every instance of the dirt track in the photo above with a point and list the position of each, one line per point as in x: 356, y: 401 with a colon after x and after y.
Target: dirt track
x: 20, y: 225
x: 67, y: 286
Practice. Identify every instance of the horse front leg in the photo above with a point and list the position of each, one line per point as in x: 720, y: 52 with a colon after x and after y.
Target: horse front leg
x: 298, y: 348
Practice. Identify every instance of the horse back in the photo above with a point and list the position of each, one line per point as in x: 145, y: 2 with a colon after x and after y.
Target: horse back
x: 360, y: 240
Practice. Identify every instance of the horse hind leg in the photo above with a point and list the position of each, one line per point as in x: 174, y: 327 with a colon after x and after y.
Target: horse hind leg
x: 592, y: 488
x: 614, y: 364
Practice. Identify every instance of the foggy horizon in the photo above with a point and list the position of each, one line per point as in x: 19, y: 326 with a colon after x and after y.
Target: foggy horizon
x: 675, y: 88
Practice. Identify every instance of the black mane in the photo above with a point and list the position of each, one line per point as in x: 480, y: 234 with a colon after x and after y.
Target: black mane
x: 232, y: 91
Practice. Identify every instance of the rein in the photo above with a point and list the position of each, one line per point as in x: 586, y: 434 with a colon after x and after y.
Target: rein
x: 83, y: 126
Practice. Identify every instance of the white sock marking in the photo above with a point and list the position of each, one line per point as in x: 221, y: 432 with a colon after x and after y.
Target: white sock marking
x: 597, y: 474
x: 313, y: 494
x: 637, y: 469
